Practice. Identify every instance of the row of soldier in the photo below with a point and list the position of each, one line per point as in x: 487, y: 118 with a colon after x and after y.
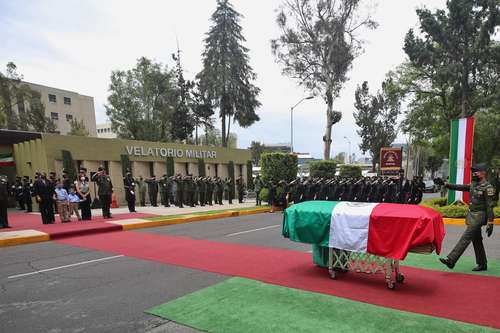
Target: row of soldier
x: 357, y: 189
x: 182, y: 190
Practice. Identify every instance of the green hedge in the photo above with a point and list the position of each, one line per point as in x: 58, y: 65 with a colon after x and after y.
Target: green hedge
x: 278, y: 166
x: 201, y: 167
x: 350, y: 170
x: 170, y: 166
x: 323, y: 169
x: 126, y: 165
x: 264, y: 194
x: 451, y: 211
x: 249, y: 175
x: 68, y: 164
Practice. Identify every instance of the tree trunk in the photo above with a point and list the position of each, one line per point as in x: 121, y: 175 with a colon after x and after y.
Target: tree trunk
x: 196, y: 135
x: 223, y: 132
x: 228, y: 130
x: 327, y: 139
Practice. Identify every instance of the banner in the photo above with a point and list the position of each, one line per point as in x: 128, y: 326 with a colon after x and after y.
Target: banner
x: 391, y: 159
x: 461, y: 142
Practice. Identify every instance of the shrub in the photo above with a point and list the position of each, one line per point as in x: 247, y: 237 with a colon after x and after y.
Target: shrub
x: 201, y: 167
x: 278, y: 166
x: 323, y: 169
x: 68, y: 164
x: 249, y: 175
x: 264, y: 194
x: 126, y: 165
x: 350, y: 171
x: 451, y: 211
x: 170, y: 166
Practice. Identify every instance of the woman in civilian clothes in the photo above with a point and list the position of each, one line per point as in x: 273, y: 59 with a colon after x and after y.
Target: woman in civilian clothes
x: 83, y: 190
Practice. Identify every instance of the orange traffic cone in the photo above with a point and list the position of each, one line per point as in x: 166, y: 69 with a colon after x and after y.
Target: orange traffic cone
x: 114, y: 202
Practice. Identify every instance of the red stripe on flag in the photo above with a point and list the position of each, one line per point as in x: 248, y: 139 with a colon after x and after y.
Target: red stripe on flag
x: 469, y: 137
x: 394, y: 229
x: 7, y: 164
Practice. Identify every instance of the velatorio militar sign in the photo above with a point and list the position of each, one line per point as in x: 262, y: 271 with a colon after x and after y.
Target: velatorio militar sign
x: 391, y: 158
x: 170, y: 152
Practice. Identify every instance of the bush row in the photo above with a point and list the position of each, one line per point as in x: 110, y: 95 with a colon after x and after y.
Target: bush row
x: 451, y: 211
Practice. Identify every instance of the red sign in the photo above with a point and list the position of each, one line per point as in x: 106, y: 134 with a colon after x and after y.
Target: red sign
x: 391, y: 158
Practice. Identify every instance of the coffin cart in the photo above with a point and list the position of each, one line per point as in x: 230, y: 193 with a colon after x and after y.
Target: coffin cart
x: 364, y: 238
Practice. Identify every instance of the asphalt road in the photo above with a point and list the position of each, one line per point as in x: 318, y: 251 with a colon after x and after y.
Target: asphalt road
x: 110, y: 295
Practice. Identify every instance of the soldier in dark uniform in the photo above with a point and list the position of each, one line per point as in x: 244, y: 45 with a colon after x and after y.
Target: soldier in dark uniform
x: 66, y: 181
x: 210, y: 190
x: 53, y: 180
x: 480, y: 213
x: 105, y: 190
x: 219, y: 187
x: 202, y: 184
x: 190, y: 187
x: 129, y: 185
x: 162, y: 184
x: 153, y: 190
x: 258, y: 184
x: 17, y: 189
x: 179, y: 195
x: 4, y: 202
x: 44, y: 193
x: 27, y: 193
x: 240, y: 185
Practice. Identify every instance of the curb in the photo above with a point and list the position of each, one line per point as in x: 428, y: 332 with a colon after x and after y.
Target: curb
x: 13, y: 238
x: 460, y: 221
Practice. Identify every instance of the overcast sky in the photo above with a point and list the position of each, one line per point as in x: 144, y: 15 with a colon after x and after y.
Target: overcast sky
x: 74, y: 45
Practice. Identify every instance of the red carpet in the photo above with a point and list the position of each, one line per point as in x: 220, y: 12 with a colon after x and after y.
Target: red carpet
x: 22, y: 221
x: 462, y: 297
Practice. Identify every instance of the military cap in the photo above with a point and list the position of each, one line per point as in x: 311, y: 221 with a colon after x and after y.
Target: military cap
x: 479, y: 167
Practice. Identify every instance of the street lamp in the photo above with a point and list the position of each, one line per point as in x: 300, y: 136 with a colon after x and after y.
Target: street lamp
x: 291, y: 120
x: 349, y: 142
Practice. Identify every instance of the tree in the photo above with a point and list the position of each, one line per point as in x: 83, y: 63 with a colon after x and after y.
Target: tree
x: 142, y: 101
x: 213, y: 137
x: 278, y: 166
x: 78, y: 128
x: 13, y: 92
x: 256, y: 149
x: 202, y: 110
x: 339, y: 158
x: 376, y: 117
x: 433, y: 164
x: 456, y: 54
x: 226, y: 77
x: 182, y: 118
x: 318, y: 43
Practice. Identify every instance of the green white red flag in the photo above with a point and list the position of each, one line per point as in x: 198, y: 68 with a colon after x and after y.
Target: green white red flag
x: 6, y: 160
x: 461, y: 142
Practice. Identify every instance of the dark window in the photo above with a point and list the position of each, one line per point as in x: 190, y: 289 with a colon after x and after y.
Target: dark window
x: 52, y: 98
x: 241, y: 169
x: 67, y: 100
x: 69, y: 117
x: 54, y: 116
x: 186, y: 165
x: 216, y: 170
x: 106, y: 166
x: 151, y: 169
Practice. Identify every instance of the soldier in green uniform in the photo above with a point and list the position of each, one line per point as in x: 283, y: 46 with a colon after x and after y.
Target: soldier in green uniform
x: 240, y: 184
x: 219, y: 188
x: 202, y: 186
x: 210, y: 190
x: 480, y: 213
x: 142, y: 187
x: 162, y: 184
x: 258, y: 184
x: 179, y: 194
x: 190, y: 188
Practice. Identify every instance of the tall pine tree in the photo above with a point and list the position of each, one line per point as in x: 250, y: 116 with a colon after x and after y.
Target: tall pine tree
x: 182, y: 118
x: 227, y: 77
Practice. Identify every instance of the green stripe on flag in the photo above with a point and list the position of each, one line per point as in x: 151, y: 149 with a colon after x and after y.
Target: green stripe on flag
x: 242, y: 305
x: 453, y: 158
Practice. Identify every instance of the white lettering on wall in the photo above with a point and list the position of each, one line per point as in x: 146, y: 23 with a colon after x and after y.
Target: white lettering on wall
x: 170, y: 152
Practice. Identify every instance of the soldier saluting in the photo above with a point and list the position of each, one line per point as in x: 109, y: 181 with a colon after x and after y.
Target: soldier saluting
x: 480, y: 213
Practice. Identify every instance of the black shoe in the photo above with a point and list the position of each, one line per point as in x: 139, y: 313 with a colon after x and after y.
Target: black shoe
x: 447, y: 262
x: 480, y: 268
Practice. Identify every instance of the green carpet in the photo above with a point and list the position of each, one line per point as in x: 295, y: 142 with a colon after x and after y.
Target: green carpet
x: 242, y: 305
x: 464, y: 265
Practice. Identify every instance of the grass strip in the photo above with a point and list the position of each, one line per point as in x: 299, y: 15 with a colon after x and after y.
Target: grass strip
x: 242, y: 305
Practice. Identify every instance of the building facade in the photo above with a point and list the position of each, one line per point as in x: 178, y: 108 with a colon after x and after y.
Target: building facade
x: 63, y: 106
x: 146, y: 158
x: 105, y: 131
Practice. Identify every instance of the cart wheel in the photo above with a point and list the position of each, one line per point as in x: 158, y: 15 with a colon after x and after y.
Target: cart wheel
x: 391, y: 285
x: 333, y: 275
x: 400, y: 278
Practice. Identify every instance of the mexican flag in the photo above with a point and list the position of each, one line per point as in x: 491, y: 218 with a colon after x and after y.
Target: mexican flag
x: 382, y: 229
x: 7, y: 160
x: 461, y: 141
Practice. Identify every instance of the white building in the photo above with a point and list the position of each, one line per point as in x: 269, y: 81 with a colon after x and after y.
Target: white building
x: 105, y: 131
x: 63, y: 106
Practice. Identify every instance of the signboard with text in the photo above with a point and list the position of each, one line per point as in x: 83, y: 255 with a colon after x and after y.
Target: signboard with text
x: 391, y: 159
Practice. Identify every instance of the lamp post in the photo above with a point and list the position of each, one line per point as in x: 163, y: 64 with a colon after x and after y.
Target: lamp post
x: 349, y: 142
x: 291, y: 120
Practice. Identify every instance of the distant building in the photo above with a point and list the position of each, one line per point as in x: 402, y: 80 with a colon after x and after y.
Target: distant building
x: 105, y: 131
x: 277, y: 147
x: 63, y: 106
